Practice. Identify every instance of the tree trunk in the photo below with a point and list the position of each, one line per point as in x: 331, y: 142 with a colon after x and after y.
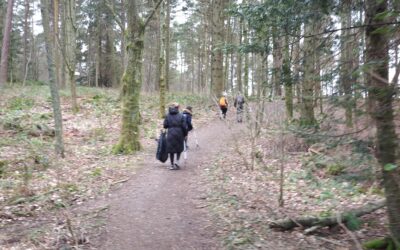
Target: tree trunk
x: 62, y: 49
x: 382, y: 92
x: 307, y: 117
x: 129, y: 140
x: 26, y: 35
x: 5, y: 49
x: 98, y: 55
x: 218, y: 17
x: 287, y: 79
x: 239, y: 59
x: 246, y: 63
x: 55, y: 98
x: 56, y: 41
x: 167, y: 42
x: 70, y: 49
x: 277, y: 61
x: 296, y: 69
x: 123, y: 37
x: 346, y: 62
x: 35, y: 60
x: 318, y: 100
x: 228, y: 53
x: 161, y: 62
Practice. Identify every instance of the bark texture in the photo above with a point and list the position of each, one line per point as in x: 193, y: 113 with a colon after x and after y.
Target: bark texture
x: 307, y: 117
x: 381, y: 92
x: 162, y: 66
x: 55, y: 98
x: 346, y: 62
x: 5, y: 49
x: 277, y: 61
x: 217, y: 71
x: 131, y: 84
x: 70, y: 48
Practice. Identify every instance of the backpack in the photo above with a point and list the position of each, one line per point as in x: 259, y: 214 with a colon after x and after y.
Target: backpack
x: 240, y: 100
x: 222, y: 102
x: 188, y: 120
x: 161, y: 153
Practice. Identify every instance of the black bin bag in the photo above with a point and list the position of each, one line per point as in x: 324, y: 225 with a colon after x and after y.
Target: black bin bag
x: 162, y: 154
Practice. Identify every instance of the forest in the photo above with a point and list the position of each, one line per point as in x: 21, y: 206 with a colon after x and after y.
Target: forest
x: 85, y: 86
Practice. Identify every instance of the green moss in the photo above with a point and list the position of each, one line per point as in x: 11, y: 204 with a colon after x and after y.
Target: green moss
x: 96, y: 172
x: 126, y: 148
x: 20, y: 103
x: 3, y: 168
x: 335, y: 169
x: 376, y: 244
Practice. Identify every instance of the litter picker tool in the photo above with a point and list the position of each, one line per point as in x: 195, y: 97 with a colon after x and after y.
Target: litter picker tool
x: 195, y: 138
x: 184, y: 151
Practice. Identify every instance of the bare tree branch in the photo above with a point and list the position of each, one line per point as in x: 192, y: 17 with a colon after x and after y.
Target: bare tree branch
x: 149, y: 17
x: 396, y: 75
x: 378, y: 77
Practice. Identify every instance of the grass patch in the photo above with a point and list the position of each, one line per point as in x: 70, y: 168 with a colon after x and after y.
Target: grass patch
x: 20, y: 103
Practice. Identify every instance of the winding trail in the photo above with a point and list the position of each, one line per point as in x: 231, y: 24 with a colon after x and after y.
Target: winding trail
x: 163, y: 209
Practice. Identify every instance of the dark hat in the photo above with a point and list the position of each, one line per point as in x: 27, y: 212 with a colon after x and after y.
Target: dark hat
x: 189, y: 108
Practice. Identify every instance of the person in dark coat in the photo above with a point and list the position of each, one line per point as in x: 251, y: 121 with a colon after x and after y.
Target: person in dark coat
x: 177, y: 131
x: 187, y: 113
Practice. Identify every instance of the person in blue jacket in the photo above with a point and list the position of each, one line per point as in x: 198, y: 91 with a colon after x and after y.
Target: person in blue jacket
x: 187, y: 114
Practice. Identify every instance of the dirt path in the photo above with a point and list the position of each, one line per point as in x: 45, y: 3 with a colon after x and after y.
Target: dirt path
x: 163, y: 209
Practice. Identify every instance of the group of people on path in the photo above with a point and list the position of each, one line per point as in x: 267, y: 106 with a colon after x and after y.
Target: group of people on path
x: 179, y: 124
x: 238, y: 104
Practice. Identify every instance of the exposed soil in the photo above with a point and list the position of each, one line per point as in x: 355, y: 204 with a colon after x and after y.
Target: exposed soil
x: 166, y: 209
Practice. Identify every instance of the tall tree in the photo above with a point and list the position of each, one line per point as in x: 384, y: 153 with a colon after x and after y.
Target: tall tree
x: 167, y: 42
x: 381, y: 91
x: 70, y: 48
x: 346, y: 62
x: 132, y: 81
x: 307, y: 117
x: 217, y: 72
x: 26, y: 59
x: 246, y: 62
x: 162, y: 65
x: 287, y: 78
x: 56, y: 40
x: 277, y: 60
x: 55, y: 98
x: 239, y: 58
x: 5, y: 49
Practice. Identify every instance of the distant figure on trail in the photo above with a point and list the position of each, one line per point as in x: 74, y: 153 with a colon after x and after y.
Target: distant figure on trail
x: 239, y: 103
x: 187, y: 113
x: 223, y: 105
x: 177, y: 131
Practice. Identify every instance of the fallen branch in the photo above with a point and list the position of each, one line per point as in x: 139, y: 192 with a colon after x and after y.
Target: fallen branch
x: 120, y: 181
x: 202, y: 206
x: 311, y: 221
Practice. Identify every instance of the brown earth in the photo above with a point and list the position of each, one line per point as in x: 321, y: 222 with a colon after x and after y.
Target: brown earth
x: 166, y: 209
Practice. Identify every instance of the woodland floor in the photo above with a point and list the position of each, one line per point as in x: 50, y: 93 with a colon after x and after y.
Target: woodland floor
x: 218, y: 200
